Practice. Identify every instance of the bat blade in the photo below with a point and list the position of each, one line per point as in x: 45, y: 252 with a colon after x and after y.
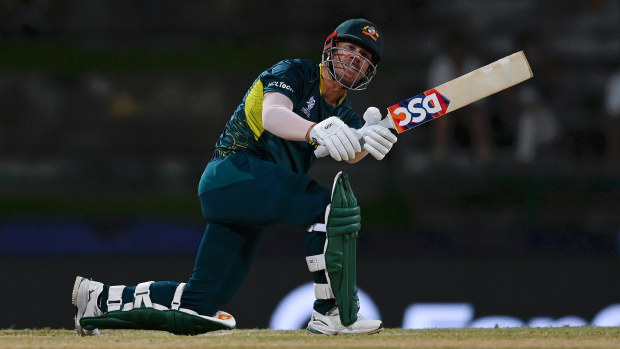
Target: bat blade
x: 459, y: 92
x: 454, y: 94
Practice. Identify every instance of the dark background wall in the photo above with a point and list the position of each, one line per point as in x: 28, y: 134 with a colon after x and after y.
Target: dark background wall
x: 110, y: 110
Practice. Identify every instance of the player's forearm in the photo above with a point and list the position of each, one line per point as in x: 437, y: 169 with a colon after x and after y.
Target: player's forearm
x: 285, y: 123
x: 279, y: 118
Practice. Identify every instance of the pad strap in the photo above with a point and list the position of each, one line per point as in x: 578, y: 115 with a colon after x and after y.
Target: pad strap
x: 316, y: 262
x: 115, y: 297
x: 323, y: 291
x: 142, y: 295
x: 176, y: 300
x: 318, y: 227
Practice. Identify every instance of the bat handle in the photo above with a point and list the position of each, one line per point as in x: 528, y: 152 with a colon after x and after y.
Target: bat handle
x: 387, y: 122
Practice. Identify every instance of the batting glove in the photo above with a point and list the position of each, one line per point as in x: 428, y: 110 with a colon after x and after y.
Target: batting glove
x: 377, y: 140
x: 340, y: 140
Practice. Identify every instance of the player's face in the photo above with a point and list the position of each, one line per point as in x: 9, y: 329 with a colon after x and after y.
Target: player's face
x: 351, y: 62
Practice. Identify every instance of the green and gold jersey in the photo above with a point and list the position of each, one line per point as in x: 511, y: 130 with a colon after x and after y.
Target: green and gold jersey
x: 299, y: 80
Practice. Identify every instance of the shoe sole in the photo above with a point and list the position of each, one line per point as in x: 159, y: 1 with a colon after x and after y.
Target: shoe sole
x: 74, y: 300
x: 375, y: 331
x: 316, y: 331
x: 81, y: 303
x: 76, y: 288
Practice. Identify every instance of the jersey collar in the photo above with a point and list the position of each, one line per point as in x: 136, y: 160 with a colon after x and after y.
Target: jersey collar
x: 321, y: 85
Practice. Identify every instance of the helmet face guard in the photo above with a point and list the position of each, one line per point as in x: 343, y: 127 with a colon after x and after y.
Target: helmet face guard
x: 340, y: 62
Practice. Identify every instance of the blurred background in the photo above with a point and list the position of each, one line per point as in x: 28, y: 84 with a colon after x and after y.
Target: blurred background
x: 109, y: 111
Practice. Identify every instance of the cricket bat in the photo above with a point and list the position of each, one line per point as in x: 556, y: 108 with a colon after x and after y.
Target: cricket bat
x: 454, y: 94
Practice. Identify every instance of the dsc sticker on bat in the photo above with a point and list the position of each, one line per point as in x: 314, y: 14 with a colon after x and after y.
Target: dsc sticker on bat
x: 418, y: 109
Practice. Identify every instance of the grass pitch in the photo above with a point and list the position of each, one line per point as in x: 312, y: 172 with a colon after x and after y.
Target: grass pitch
x: 497, y: 338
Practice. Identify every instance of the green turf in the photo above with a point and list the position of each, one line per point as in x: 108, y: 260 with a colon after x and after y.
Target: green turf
x: 564, y: 337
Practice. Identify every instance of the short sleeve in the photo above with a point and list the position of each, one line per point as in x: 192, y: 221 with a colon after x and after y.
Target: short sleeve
x: 284, y: 77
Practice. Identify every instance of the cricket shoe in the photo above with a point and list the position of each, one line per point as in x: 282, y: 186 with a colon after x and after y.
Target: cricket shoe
x: 84, y: 298
x: 330, y: 324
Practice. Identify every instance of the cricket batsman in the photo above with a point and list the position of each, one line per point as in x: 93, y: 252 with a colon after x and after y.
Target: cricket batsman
x: 257, y: 178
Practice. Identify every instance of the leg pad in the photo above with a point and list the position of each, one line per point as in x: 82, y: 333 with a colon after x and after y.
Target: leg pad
x: 343, y: 224
x: 174, y: 321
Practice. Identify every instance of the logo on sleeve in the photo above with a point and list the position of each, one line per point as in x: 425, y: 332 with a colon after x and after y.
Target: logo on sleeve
x: 281, y: 85
x: 310, y: 104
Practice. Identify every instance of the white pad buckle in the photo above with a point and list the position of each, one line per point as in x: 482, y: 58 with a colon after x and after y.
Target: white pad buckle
x: 316, y: 262
x: 323, y: 291
x: 176, y: 300
x: 318, y: 227
x: 142, y: 295
x: 115, y: 297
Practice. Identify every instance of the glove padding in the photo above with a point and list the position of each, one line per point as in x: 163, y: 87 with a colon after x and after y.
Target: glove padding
x: 377, y: 140
x: 339, y: 139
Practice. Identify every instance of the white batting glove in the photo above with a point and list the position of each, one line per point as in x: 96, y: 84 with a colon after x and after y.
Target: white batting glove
x: 377, y: 140
x: 340, y: 140
x: 372, y: 116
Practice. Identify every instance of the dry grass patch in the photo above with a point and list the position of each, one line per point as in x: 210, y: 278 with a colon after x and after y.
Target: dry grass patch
x: 565, y: 337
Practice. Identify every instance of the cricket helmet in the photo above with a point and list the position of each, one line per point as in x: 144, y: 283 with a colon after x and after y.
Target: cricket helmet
x: 360, y: 32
